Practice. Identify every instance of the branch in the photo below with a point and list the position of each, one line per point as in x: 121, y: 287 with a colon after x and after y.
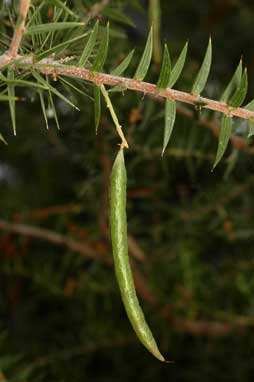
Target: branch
x: 55, y: 238
x: 12, y: 52
x: 48, y: 66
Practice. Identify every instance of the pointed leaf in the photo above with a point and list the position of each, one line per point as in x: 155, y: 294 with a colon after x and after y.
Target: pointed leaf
x: 89, y: 45
x: 226, y: 127
x: 53, y: 90
x: 145, y: 59
x: 51, y: 27
x: 233, y: 84
x: 241, y: 91
x: 114, y: 14
x: 250, y: 106
x: 123, y: 65
x: 250, y: 128
x: 12, y: 104
x: 178, y: 67
x: 97, y: 106
x: 204, y: 71
x: 43, y: 108
x: 165, y: 72
x: 170, y: 115
x: 2, y: 139
x: 102, y: 52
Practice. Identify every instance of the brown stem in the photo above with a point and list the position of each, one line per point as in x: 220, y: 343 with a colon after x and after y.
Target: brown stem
x: 50, y: 67
x: 53, y: 237
x: 12, y: 52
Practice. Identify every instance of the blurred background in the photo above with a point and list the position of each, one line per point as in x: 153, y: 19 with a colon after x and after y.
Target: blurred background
x: 191, y: 231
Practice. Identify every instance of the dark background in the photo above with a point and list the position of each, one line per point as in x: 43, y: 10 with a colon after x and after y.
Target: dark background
x: 191, y: 230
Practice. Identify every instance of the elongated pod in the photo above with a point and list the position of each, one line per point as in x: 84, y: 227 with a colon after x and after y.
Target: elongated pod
x: 118, y: 225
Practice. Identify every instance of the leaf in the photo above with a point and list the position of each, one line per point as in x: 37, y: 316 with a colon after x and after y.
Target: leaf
x: 3, y: 140
x: 145, y: 59
x: 102, y: 52
x: 97, y: 106
x: 52, y: 105
x: 170, y: 115
x: 58, y: 47
x: 53, y: 90
x: 234, y: 83
x: 204, y: 71
x: 226, y: 127
x: 123, y: 65
x: 51, y: 27
x: 89, y: 45
x: 43, y: 108
x: 12, y: 104
x: 250, y: 128
x: 117, y: 15
x: 165, y: 72
x: 178, y: 67
x: 250, y: 106
x: 241, y: 91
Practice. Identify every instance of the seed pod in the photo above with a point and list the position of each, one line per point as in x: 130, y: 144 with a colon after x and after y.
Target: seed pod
x: 118, y: 225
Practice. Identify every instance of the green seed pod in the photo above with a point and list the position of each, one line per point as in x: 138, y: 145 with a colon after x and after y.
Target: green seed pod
x: 118, y: 225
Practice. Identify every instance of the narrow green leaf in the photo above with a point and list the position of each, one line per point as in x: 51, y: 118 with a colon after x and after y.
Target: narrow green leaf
x: 250, y: 106
x: 123, y: 65
x: 3, y: 140
x: 250, y: 128
x: 178, y: 67
x: 97, y: 106
x: 204, y: 71
x: 117, y: 89
x: 145, y: 59
x: 165, y: 72
x: 241, y: 91
x: 12, y: 104
x: 225, y: 131
x: 52, y: 105
x: 43, y: 108
x: 53, y: 90
x: 56, y: 48
x: 102, y: 52
x: 51, y: 27
x: 114, y: 14
x: 233, y: 84
x: 170, y: 115
x: 89, y: 45
x: 60, y: 3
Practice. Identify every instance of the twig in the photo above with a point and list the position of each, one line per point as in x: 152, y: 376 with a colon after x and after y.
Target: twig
x: 12, y: 52
x: 53, y: 237
x: 48, y: 66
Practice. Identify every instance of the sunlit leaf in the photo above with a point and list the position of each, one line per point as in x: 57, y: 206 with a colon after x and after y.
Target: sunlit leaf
x: 233, y: 84
x: 119, y: 70
x: 102, y: 52
x: 97, y: 106
x: 145, y: 59
x: 89, y: 45
x: 225, y: 132
x: 178, y: 67
x: 204, y: 71
x: 170, y: 115
x: 165, y: 72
